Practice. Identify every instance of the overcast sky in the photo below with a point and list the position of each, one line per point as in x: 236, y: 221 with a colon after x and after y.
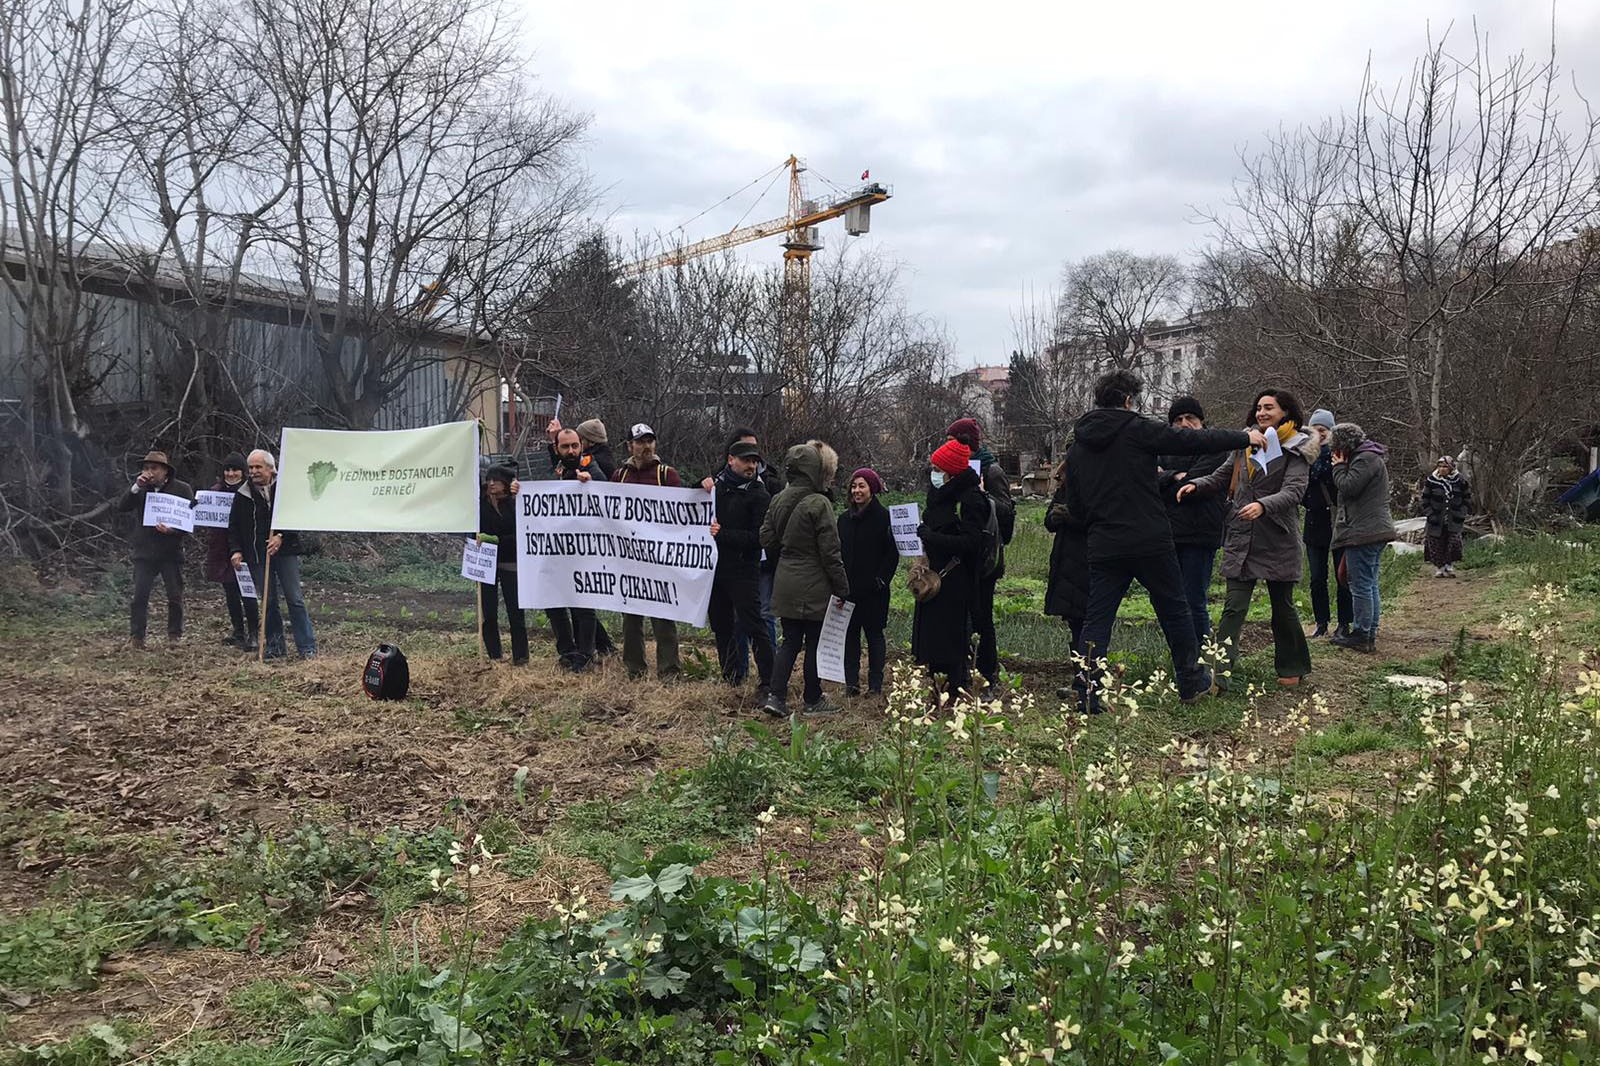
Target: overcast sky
x: 1016, y: 135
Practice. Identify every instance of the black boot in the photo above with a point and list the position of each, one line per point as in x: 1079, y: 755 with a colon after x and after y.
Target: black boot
x: 1321, y: 630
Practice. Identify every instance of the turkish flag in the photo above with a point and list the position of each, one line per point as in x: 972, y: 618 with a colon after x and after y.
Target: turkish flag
x: 864, y: 174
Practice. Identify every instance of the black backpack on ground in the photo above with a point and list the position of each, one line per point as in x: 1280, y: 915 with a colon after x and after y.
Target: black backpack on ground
x: 386, y: 676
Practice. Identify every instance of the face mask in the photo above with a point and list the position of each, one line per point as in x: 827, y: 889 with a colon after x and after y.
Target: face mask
x: 937, y: 477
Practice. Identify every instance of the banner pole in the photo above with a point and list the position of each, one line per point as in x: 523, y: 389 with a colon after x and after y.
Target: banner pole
x: 262, y: 605
x: 477, y: 598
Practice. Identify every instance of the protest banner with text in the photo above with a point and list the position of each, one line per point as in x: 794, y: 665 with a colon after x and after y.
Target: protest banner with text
x: 639, y: 549
x: 165, y: 509
x: 379, y: 481
x: 903, y: 522
x: 211, y: 509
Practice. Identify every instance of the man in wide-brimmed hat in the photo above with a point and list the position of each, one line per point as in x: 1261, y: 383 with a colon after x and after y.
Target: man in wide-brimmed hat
x: 157, y: 549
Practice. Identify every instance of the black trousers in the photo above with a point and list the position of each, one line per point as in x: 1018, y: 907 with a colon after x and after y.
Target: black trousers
x: 1317, y: 573
x: 574, y: 629
x: 506, y: 582
x: 735, y: 613
x: 877, y: 653
x: 145, y: 572
x: 1109, y: 581
x: 988, y: 662
x: 241, y: 611
x: 797, y: 634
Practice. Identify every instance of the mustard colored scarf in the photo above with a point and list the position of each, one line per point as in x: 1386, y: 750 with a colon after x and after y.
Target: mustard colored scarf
x: 1286, y: 431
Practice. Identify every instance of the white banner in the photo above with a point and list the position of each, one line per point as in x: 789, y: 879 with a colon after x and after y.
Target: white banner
x: 903, y: 522
x: 638, y: 549
x: 478, y: 562
x: 379, y: 481
x: 163, y: 508
x: 211, y: 509
x: 830, y: 645
x: 247, y: 584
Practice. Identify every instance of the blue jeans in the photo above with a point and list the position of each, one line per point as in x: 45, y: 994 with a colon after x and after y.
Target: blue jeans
x: 1361, y: 563
x: 1195, y: 563
x: 741, y: 643
x: 286, y: 584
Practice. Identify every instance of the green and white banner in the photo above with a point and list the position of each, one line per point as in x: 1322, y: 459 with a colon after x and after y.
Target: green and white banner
x: 379, y: 481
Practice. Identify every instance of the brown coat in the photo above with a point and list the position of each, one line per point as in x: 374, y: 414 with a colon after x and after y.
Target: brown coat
x: 1267, y: 549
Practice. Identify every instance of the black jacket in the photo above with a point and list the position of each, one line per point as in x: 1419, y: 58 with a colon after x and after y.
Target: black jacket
x: 870, y: 561
x: 501, y: 524
x: 1066, y: 592
x: 595, y: 459
x: 1197, y: 521
x: 741, y: 507
x: 1111, y: 478
x: 1321, y: 501
x: 250, y: 523
x: 148, y: 545
x: 953, y: 523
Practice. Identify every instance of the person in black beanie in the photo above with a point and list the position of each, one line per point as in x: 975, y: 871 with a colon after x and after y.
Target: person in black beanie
x: 497, y: 518
x: 241, y: 611
x: 1196, y: 521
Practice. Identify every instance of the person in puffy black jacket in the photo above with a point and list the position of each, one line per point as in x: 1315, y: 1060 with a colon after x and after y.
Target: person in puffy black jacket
x: 1112, y: 485
x: 1197, y: 521
x: 866, y: 542
x: 954, y: 519
x: 497, y: 518
x: 735, y: 606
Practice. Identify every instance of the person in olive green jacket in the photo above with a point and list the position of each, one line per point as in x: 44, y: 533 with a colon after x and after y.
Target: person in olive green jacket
x: 801, y: 531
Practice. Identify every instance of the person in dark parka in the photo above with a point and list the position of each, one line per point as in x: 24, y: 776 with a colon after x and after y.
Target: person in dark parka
x: 954, y: 519
x: 997, y: 486
x: 241, y: 611
x: 735, y: 606
x: 157, y: 549
x: 1446, y: 501
x: 1322, y: 558
x: 1262, y: 542
x: 801, y: 529
x: 497, y: 518
x: 866, y: 542
x: 1113, y: 486
x: 1066, y: 592
x: 1196, y: 523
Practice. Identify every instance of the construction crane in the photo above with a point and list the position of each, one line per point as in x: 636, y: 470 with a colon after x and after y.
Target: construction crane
x: 799, y: 225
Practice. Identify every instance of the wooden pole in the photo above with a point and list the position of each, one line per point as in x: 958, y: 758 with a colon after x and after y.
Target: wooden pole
x: 262, y: 603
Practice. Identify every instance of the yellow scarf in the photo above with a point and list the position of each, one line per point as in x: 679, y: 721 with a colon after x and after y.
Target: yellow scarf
x: 1286, y: 430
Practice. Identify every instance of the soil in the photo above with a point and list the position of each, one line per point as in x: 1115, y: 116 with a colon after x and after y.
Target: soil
x: 161, y: 752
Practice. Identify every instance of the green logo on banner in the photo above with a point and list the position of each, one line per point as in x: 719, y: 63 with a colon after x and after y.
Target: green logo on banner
x: 321, y: 475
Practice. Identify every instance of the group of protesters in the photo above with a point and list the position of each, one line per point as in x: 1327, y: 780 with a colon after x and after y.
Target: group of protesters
x: 1136, y: 499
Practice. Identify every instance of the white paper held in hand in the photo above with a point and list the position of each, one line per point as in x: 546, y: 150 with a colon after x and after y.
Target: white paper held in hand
x: 478, y: 561
x: 830, y: 645
x: 163, y: 508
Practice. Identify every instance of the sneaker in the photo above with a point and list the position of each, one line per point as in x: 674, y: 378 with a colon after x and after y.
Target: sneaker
x: 1343, y: 632
x: 1202, y: 688
x: 1450, y: 571
x: 1355, y: 641
x: 820, y: 708
x: 1439, y: 572
x: 234, y: 641
x: 775, y: 707
x: 249, y: 645
x: 1320, y: 631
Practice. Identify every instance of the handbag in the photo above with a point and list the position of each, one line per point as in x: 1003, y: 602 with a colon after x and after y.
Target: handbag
x: 924, y: 581
x: 1343, y: 573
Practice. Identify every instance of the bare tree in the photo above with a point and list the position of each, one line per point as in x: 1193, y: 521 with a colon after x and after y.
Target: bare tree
x: 1116, y: 297
x: 1051, y: 372
x: 1379, y: 252
x: 60, y: 63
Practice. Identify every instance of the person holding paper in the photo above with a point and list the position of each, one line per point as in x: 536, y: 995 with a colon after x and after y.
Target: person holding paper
x: 866, y: 544
x: 1262, y: 539
x: 497, y: 519
x: 997, y: 486
x: 254, y: 541
x: 219, y: 569
x: 735, y: 607
x: 954, y: 520
x: 157, y: 549
x: 801, y: 530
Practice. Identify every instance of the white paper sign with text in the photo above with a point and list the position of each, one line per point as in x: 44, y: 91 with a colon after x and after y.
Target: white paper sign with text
x: 163, y: 508
x: 904, y: 519
x: 478, y: 561
x: 1263, y: 457
x: 830, y: 645
x: 247, y: 584
x: 638, y: 549
x: 211, y: 509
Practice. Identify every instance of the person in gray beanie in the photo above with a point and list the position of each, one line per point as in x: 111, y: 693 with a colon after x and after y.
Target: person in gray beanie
x: 1317, y: 531
x: 1362, y: 525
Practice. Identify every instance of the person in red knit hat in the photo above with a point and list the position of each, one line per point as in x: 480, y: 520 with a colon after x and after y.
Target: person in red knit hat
x: 953, y: 522
x: 997, y: 486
